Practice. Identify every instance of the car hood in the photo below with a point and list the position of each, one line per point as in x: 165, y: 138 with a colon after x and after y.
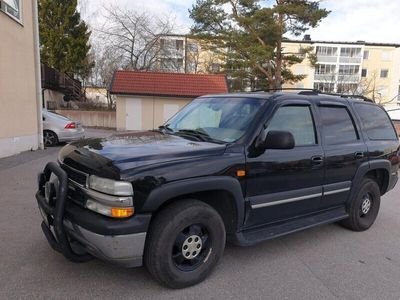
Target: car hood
x: 121, y: 153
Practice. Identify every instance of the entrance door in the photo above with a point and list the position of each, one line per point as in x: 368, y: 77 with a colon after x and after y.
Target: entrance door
x: 133, y: 114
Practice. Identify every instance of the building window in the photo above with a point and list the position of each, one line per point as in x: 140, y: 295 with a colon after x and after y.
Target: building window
x: 179, y: 44
x: 366, y: 54
x: 348, y: 69
x: 326, y: 87
x: 324, y: 69
x: 162, y: 43
x: 347, y: 88
x: 11, y: 8
x: 350, y: 52
x: 384, y: 73
x: 326, y: 51
x: 385, y: 55
x: 364, y: 73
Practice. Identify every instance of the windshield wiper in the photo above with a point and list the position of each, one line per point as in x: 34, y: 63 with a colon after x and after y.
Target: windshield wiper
x: 199, y: 134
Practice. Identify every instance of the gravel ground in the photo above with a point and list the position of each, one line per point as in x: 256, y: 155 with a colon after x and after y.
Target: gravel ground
x: 326, y: 262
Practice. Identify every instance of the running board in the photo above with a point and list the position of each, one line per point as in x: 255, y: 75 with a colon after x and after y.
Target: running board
x: 254, y: 236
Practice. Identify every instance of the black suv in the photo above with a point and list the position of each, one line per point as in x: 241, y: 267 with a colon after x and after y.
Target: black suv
x: 244, y: 168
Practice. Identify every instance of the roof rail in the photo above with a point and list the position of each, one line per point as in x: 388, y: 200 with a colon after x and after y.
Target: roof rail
x: 307, y: 91
x: 288, y: 89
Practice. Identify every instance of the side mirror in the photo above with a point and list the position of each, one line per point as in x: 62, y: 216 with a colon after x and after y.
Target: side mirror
x: 278, y: 140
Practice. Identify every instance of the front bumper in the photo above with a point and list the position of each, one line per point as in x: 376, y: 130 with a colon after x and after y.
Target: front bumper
x: 79, y: 234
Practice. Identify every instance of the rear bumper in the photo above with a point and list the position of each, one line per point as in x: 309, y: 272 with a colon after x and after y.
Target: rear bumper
x: 80, y: 234
x: 69, y: 135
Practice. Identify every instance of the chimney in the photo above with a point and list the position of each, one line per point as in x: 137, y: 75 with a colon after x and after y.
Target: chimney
x: 307, y: 37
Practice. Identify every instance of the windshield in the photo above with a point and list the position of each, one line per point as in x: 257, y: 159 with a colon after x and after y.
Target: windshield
x: 215, y: 119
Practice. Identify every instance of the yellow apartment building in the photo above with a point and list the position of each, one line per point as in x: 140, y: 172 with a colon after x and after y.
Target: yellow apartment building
x: 20, y: 86
x: 370, y: 69
x: 181, y: 54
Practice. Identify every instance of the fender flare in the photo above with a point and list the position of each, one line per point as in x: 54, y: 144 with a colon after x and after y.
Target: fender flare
x: 160, y: 195
x: 363, y: 169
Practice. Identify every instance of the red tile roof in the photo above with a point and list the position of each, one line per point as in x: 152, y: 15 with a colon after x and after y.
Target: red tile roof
x: 167, y: 84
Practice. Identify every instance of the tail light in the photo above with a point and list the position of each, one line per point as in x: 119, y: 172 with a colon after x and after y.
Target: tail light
x: 70, y: 125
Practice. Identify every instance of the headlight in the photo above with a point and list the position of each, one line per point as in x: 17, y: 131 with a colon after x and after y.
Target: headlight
x: 115, y: 212
x: 111, y: 187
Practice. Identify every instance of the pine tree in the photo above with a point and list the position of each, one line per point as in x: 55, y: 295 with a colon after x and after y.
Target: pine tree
x: 64, y: 37
x: 250, y: 34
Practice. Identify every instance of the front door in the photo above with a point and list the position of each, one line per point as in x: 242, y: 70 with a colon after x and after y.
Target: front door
x: 282, y: 184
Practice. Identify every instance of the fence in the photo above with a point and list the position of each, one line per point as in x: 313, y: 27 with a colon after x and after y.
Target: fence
x: 105, y: 119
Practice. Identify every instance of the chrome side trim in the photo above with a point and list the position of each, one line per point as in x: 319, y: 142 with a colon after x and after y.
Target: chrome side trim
x: 337, y: 191
x: 286, y: 200
x: 272, y: 203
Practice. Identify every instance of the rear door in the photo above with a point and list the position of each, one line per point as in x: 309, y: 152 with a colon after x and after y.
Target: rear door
x: 344, y: 151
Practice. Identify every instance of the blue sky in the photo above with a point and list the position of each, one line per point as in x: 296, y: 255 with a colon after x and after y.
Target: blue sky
x: 350, y: 20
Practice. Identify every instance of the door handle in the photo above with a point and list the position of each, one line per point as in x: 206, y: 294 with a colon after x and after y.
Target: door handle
x: 317, y: 160
x: 359, y: 154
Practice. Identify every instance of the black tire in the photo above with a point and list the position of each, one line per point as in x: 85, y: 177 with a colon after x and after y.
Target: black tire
x: 50, y: 138
x: 360, y: 216
x: 164, y: 255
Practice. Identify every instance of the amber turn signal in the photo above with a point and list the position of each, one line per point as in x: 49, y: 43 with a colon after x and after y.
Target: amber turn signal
x: 122, y: 212
x: 240, y: 173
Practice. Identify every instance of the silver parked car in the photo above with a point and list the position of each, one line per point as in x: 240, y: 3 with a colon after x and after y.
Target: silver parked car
x: 57, y: 128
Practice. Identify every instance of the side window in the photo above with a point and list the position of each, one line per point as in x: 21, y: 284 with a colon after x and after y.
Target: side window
x: 376, y: 122
x: 338, y: 125
x: 298, y: 120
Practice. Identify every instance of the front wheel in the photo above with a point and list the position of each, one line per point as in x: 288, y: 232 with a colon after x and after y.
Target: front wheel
x: 185, y: 242
x: 364, y: 207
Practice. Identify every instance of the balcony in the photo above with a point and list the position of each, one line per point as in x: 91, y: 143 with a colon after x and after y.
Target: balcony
x: 326, y: 59
x: 325, y: 77
x: 349, y: 78
x: 56, y: 81
x: 350, y: 60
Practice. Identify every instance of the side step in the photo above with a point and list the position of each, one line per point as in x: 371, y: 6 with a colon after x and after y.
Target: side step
x: 253, y: 236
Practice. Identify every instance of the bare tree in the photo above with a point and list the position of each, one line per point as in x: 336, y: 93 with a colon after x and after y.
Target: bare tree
x: 106, y: 62
x: 134, y: 37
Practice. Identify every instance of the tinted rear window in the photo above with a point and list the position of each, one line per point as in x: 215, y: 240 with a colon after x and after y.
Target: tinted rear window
x: 376, y: 122
x: 338, y: 125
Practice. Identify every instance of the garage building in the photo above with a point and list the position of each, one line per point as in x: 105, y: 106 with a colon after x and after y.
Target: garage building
x: 145, y: 100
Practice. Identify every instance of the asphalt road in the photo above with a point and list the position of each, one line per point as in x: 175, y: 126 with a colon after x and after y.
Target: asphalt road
x: 327, y: 262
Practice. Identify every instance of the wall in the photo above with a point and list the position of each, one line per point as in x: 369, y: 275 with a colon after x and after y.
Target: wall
x: 375, y: 63
x: 96, y: 94
x: 19, y: 130
x: 53, y: 99
x: 152, y: 110
x: 106, y: 119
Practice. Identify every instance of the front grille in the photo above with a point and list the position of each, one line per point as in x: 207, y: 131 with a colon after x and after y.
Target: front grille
x: 75, y: 175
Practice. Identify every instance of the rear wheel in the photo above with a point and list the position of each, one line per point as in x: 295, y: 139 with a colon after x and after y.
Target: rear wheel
x: 50, y: 138
x: 185, y: 242
x: 365, y: 206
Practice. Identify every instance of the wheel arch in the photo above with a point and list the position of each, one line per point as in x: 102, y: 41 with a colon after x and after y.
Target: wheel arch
x: 379, y: 170
x: 224, y: 194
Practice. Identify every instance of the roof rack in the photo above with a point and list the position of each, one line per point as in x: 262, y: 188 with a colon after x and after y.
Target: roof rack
x: 306, y: 91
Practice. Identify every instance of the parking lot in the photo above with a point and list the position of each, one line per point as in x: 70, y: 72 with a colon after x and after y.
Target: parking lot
x: 327, y: 262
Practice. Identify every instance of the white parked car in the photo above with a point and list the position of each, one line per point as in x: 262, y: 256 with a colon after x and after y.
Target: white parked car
x: 57, y: 128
